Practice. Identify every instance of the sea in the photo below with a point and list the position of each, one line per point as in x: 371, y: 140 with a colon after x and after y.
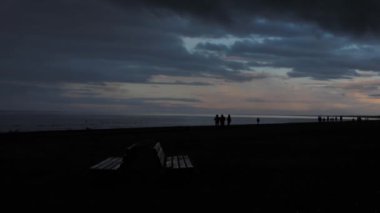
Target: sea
x: 21, y: 121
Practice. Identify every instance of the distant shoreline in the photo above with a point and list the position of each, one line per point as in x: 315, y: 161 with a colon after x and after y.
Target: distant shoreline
x: 51, y: 122
x: 173, y: 128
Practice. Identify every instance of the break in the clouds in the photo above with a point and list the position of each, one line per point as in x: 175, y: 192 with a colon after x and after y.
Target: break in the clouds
x: 197, y: 56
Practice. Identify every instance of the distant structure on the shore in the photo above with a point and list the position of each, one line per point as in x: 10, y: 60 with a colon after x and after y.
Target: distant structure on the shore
x: 353, y: 118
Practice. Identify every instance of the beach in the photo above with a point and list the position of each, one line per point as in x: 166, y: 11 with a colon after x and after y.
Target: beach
x: 304, y: 167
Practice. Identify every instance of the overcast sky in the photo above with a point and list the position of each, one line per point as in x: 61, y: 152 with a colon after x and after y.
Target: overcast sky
x: 194, y: 57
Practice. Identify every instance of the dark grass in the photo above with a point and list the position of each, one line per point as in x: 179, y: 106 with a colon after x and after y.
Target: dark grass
x: 311, y: 167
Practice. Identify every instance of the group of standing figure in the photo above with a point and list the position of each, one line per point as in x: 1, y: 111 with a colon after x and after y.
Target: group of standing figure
x: 220, y: 120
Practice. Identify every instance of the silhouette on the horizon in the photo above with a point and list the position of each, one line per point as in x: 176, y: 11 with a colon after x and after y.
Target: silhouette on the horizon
x: 229, y: 120
x: 216, y: 119
x: 258, y: 121
x: 222, y: 120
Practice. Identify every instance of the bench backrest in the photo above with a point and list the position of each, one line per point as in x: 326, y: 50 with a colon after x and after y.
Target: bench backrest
x: 160, y: 153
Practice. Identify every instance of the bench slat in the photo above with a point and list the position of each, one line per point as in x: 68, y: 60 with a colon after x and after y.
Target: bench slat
x: 161, y: 157
x: 181, y: 161
x: 175, y: 162
x: 157, y: 146
x: 117, y: 166
x: 104, y: 163
x: 101, y: 164
x: 109, y: 164
x: 169, y: 163
x: 115, y: 163
x: 188, y: 162
x: 160, y: 153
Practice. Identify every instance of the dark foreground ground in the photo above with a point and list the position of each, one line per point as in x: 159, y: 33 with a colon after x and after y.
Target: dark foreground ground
x: 328, y: 167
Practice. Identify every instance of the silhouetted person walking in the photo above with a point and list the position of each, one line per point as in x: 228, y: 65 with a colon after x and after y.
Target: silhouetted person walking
x: 258, y: 121
x: 216, y: 119
x: 229, y: 120
x: 222, y: 120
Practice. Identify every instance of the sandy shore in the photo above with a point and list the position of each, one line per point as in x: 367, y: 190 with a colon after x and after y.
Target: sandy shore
x: 307, y: 167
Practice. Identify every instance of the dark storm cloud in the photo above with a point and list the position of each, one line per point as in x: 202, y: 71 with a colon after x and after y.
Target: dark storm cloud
x: 355, y: 17
x: 311, y: 57
x: 92, y: 41
x: 324, y: 58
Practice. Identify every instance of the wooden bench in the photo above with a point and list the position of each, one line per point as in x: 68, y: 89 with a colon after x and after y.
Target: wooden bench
x: 111, y: 163
x: 176, y: 162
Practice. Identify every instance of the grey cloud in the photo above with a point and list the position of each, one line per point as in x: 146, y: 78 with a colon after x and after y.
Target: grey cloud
x: 195, y: 83
x: 188, y: 100
x: 257, y: 100
x: 364, y: 86
x: 35, y: 96
x: 374, y: 95
x: 126, y: 101
x: 211, y: 47
x: 71, y: 41
x: 66, y: 41
x: 308, y: 56
x: 52, y: 42
x: 353, y: 17
x: 30, y: 96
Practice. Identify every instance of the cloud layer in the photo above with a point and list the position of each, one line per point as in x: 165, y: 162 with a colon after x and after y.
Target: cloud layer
x: 48, y: 45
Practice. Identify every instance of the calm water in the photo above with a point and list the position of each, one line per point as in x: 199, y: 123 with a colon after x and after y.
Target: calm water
x: 37, y: 121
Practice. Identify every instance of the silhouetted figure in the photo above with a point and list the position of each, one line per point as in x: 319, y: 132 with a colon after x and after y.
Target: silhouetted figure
x: 341, y: 118
x: 258, y: 121
x: 328, y: 118
x: 229, y: 120
x: 222, y: 120
x: 216, y: 119
x: 319, y: 119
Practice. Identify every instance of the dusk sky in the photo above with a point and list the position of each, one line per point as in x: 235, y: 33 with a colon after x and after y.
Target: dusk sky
x: 193, y: 57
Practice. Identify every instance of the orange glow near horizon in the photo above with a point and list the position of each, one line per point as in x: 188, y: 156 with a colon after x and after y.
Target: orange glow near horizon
x: 269, y: 95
